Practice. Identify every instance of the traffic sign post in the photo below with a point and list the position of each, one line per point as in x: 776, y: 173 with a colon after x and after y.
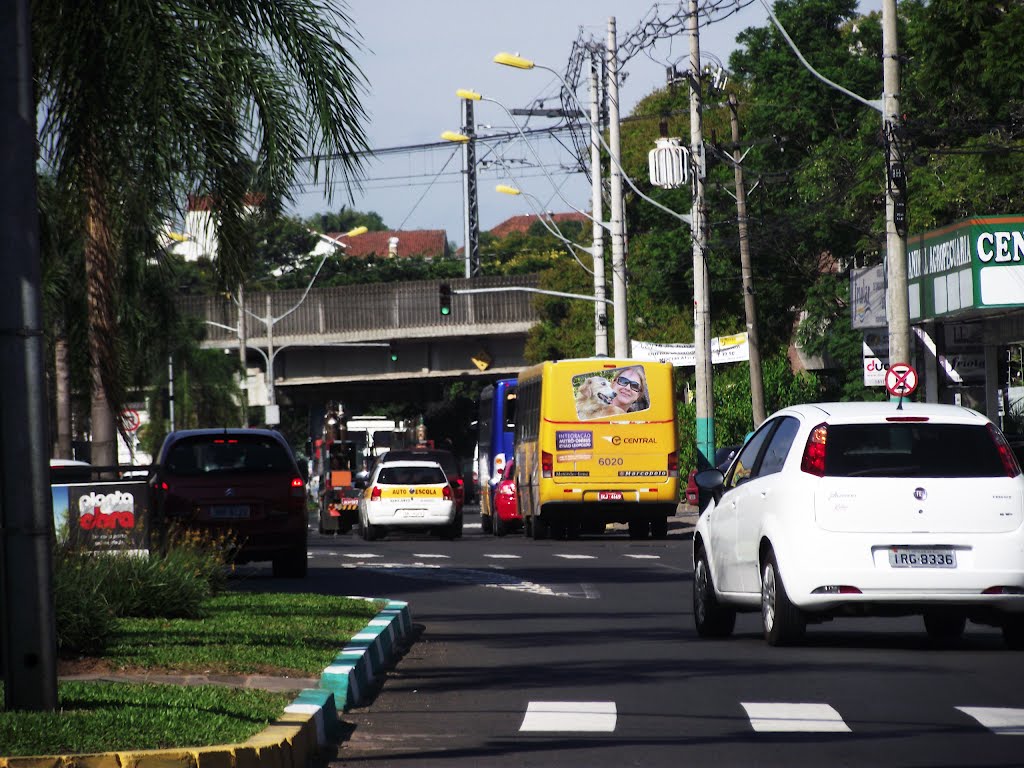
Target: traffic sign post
x: 900, y: 381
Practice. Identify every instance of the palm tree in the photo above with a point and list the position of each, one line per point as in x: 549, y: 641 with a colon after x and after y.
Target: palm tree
x: 144, y: 103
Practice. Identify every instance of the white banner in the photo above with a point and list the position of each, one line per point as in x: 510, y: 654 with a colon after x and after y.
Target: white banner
x: 724, y: 349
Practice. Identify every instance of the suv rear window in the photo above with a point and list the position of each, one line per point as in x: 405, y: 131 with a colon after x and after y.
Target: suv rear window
x: 200, y: 455
x: 411, y: 476
x: 911, y: 450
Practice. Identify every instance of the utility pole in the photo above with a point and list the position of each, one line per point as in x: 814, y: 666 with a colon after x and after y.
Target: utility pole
x: 597, y: 206
x: 701, y: 296
x: 618, y: 221
x: 469, y: 191
x: 895, y: 199
x: 749, y: 306
x: 242, y: 357
x: 28, y: 636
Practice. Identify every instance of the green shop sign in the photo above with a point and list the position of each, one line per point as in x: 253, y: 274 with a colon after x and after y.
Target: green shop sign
x: 971, y: 265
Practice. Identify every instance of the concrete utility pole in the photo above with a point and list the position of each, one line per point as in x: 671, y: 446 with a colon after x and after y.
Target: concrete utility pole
x: 900, y: 350
x: 28, y: 637
x: 618, y: 218
x: 749, y: 304
x: 469, y: 191
x: 597, y: 207
x: 242, y: 357
x: 701, y: 296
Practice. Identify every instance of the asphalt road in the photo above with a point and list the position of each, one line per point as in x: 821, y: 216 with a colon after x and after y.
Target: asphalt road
x: 583, y: 653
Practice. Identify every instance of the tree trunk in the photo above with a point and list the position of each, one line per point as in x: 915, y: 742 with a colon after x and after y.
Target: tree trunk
x: 62, y: 387
x: 100, y: 280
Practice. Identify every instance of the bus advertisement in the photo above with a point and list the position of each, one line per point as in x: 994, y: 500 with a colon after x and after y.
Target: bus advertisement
x: 496, y: 423
x: 596, y: 443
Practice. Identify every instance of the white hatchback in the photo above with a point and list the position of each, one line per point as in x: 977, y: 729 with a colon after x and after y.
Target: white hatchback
x: 409, y: 494
x: 852, y: 509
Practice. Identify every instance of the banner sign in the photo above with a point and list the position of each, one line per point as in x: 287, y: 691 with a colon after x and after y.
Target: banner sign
x: 867, y: 297
x: 111, y: 516
x: 724, y: 349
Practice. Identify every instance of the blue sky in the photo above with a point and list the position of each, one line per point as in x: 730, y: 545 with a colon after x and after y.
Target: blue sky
x: 417, y: 54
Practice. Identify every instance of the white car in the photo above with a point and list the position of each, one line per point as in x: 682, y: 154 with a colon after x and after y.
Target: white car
x: 409, y: 494
x: 851, y: 509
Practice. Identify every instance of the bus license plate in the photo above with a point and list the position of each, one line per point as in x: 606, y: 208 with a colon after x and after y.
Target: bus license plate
x: 609, y: 495
x: 904, y: 557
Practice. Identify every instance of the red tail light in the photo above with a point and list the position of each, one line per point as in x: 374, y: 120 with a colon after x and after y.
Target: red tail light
x: 673, y: 464
x: 297, y: 482
x: 813, y: 462
x: 298, y: 487
x: 546, y: 463
x: 447, y: 492
x: 1010, y: 464
x: 375, y: 493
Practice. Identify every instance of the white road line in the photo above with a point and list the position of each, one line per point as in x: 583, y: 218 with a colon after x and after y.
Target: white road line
x: 1001, y: 720
x: 360, y: 555
x: 505, y: 557
x: 570, y: 716
x: 772, y: 717
x: 577, y: 557
x: 429, y: 556
x: 645, y: 557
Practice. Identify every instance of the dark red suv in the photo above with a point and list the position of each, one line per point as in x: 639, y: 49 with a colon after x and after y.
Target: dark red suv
x: 242, y: 481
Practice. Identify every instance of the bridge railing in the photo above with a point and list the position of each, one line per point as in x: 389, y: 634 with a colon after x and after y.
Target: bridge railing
x: 368, y: 312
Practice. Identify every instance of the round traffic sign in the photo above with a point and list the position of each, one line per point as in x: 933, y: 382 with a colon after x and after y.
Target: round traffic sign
x: 900, y: 379
x: 132, y: 421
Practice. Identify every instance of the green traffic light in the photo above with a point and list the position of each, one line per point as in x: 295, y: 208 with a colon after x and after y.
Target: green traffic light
x: 446, y: 310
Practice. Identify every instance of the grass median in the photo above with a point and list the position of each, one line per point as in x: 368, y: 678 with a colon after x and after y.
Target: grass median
x: 224, y: 632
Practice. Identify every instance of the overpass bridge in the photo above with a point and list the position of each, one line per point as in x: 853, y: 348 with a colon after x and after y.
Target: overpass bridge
x: 336, y: 343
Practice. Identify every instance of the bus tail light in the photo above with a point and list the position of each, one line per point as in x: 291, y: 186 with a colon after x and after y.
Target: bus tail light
x: 546, y: 463
x: 673, y: 464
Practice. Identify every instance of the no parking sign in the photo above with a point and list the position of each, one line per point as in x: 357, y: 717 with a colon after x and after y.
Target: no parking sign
x: 900, y: 379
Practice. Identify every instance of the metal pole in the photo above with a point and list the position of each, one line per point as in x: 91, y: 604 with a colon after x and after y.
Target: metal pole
x: 895, y: 240
x: 618, y: 223
x: 469, y: 191
x: 271, y: 394
x: 749, y: 306
x: 242, y: 354
x: 170, y: 391
x: 28, y: 636
x: 596, y: 204
x: 701, y: 299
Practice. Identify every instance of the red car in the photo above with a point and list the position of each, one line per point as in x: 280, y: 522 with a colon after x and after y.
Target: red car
x: 506, y: 506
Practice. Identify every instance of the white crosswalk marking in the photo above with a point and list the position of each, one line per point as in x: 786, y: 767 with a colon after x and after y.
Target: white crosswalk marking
x: 360, y: 555
x: 645, y: 557
x: 779, y: 717
x: 577, y: 557
x: 1001, y: 720
x: 570, y: 716
x: 429, y: 556
x: 505, y: 557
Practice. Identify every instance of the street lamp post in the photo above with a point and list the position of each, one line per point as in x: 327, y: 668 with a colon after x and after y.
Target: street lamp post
x: 271, y: 414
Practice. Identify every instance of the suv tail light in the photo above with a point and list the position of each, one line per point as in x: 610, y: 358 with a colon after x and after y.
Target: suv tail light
x: 546, y: 463
x: 375, y: 493
x: 1010, y: 464
x: 298, y: 487
x: 813, y: 461
x: 673, y: 464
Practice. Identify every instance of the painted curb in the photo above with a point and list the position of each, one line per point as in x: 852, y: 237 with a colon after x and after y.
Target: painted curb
x: 308, y: 725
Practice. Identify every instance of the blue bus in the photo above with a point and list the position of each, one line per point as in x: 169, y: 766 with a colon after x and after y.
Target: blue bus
x: 496, y: 425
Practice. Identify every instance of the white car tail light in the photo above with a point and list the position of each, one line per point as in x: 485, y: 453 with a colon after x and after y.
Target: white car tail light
x: 813, y: 461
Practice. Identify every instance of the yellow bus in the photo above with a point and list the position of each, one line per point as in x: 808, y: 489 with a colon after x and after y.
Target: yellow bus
x: 596, y: 443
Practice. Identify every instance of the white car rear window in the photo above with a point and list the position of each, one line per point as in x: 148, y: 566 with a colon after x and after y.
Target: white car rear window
x: 411, y: 476
x: 911, y: 450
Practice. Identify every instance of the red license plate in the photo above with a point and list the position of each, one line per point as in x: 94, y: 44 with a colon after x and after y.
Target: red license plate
x: 609, y: 495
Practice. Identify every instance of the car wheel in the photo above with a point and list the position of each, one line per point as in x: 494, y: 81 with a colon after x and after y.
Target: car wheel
x: 1013, y: 632
x: 783, y: 622
x: 291, y: 565
x: 944, y: 627
x: 659, y: 528
x: 711, y: 618
x: 487, y: 523
x: 539, y: 529
x: 454, y: 529
x: 500, y: 526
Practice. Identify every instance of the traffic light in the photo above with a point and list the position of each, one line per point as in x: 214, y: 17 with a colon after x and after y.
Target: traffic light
x: 393, y: 351
x: 446, y: 299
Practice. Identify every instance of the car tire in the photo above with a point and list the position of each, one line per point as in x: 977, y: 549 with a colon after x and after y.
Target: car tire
x: 659, y: 528
x: 943, y: 626
x: 782, y: 621
x: 1013, y: 632
x: 500, y: 526
x: 638, y: 529
x: 540, y: 530
x: 291, y: 565
x: 453, y: 530
x: 487, y: 523
x: 711, y: 618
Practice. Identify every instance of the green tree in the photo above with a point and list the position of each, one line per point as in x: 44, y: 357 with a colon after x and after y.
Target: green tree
x: 146, y: 103
x: 345, y: 220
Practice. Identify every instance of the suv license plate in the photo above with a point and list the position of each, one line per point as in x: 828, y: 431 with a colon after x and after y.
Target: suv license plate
x: 904, y: 557
x: 230, y: 512
x: 609, y: 495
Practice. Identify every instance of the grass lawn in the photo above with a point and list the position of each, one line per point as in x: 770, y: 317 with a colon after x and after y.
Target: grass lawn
x: 240, y: 633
